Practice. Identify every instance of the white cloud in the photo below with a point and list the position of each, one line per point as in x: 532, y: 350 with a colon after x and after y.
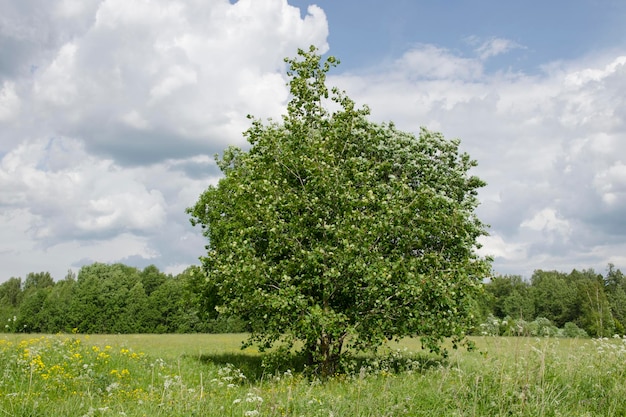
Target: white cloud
x: 135, y: 120
x: 176, y: 78
x: 549, y: 148
x: 113, y: 108
x: 9, y: 102
x: 183, y: 70
x: 73, y: 9
x: 57, y: 85
x: 71, y: 194
x: 498, y: 248
x: 611, y: 184
x: 430, y: 62
x: 496, y: 46
x: 590, y: 75
x: 547, y: 220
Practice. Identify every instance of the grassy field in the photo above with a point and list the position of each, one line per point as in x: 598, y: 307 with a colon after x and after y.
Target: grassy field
x: 208, y: 375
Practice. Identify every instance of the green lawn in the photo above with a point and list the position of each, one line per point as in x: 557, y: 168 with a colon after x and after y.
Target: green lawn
x: 208, y: 375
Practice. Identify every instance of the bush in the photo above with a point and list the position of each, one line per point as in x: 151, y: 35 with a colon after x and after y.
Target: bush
x: 572, y: 330
x: 540, y: 327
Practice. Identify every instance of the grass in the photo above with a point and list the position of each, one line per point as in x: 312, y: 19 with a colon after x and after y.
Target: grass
x: 208, y: 375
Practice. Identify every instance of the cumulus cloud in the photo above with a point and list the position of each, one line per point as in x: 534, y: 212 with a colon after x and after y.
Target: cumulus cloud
x: 547, y: 220
x: 73, y: 195
x: 549, y: 146
x: 111, y: 110
x: 186, y: 72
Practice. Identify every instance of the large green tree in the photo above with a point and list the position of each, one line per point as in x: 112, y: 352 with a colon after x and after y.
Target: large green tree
x: 339, y: 232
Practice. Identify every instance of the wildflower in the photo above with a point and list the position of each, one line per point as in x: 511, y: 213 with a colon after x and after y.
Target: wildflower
x: 251, y: 413
x: 251, y: 398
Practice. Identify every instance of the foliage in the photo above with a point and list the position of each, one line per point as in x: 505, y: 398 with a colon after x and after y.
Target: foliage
x: 511, y: 297
x: 333, y: 230
x: 572, y: 330
x: 615, y: 285
x: 554, y: 296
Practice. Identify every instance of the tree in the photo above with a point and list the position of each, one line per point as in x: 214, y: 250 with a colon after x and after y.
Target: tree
x: 511, y: 297
x: 137, y: 315
x: 554, y: 295
x: 38, y: 280
x: 615, y: 288
x: 339, y: 232
x: 594, y: 309
x: 11, y: 292
x: 31, y: 312
x: 151, y: 278
x: 56, y: 309
x: 11, y: 296
x: 101, y: 296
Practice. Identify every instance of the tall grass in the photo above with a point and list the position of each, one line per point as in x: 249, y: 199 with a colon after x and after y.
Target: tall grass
x: 207, y: 375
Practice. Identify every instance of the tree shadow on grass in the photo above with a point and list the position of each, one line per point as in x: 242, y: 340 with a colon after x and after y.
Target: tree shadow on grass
x: 259, y: 366
x: 254, y: 366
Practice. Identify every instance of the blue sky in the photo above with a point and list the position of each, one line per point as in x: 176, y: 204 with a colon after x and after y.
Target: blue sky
x: 365, y: 32
x: 111, y: 110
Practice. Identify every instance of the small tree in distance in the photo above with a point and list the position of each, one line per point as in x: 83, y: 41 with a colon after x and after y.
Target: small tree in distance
x: 341, y: 233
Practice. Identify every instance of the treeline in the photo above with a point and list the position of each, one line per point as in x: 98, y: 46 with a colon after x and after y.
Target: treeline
x: 578, y: 303
x: 114, y: 298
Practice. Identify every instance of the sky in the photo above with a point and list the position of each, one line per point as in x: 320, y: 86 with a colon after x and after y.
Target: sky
x: 111, y: 112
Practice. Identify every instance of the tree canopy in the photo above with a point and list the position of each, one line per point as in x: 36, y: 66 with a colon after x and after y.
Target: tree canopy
x: 339, y: 232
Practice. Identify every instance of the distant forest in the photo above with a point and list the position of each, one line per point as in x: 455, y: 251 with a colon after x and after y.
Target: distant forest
x: 584, y: 300
x: 110, y: 298
x: 116, y: 298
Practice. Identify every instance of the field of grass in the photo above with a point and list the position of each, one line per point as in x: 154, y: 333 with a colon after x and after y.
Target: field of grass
x: 208, y: 375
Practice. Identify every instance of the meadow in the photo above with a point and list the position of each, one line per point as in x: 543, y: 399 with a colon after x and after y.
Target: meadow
x: 208, y: 375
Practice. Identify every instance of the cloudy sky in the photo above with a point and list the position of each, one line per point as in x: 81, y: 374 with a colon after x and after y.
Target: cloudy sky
x: 111, y: 110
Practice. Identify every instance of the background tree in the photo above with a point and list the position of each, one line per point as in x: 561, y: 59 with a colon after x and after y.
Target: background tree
x: 151, y: 278
x: 38, y: 280
x: 511, y: 296
x: 554, y: 296
x: 333, y: 229
x: 136, y: 314
x: 11, y: 292
x: 592, y: 311
x: 101, y: 297
x: 615, y: 288
x: 31, y: 315
x: 10, y: 299
x: 56, y: 308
